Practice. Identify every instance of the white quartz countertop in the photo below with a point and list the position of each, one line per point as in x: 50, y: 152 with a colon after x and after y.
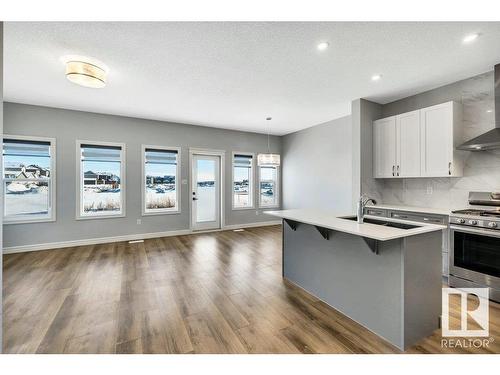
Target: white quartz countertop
x: 423, y: 210
x: 331, y: 221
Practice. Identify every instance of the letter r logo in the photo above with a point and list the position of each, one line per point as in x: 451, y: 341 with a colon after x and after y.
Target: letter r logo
x: 478, y: 315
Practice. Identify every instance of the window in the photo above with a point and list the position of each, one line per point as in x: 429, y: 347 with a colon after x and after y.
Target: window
x: 29, y: 179
x: 101, y: 179
x: 161, y: 173
x: 268, y: 186
x: 243, y: 181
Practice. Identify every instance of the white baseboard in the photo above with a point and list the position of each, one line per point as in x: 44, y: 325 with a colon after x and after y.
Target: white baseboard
x: 252, y: 225
x: 130, y: 237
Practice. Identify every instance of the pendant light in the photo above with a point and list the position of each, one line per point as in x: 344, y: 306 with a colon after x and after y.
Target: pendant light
x: 269, y: 159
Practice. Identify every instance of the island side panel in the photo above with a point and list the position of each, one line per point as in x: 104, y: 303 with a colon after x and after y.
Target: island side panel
x: 344, y: 273
x: 422, y: 286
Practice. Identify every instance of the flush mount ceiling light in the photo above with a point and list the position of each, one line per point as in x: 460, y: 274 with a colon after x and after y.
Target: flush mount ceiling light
x: 470, y: 38
x: 86, y: 73
x: 376, y: 77
x: 323, y: 45
x: 269, y: 159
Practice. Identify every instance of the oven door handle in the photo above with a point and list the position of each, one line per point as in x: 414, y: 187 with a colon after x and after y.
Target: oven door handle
x: 483, y: 231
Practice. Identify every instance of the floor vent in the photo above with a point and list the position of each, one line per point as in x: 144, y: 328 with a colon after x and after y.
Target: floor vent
x: 136, y: 241
x: 239, y: 230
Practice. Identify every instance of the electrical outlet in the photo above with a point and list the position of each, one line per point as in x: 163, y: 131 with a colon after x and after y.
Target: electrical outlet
x: 139, y: 221
x: 429, y: 190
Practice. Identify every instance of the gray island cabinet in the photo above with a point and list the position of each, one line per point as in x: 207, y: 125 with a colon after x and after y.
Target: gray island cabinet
x: 385, y: 277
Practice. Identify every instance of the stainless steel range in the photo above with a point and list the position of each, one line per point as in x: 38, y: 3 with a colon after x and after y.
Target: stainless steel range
x: 475, y: 244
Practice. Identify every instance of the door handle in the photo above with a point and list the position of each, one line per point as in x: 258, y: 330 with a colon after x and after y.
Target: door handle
x: 398, y: 170
x: 393, y: 170
x: 449, y: 168
x: 195, y: 199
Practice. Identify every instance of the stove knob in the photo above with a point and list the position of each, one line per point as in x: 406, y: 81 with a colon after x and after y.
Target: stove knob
x: 472, y: 222
x: 461, y: 221
x: 492, y: 224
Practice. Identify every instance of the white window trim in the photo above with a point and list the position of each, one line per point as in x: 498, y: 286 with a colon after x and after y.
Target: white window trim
x: 79, y: 191
x: 252, y: 184
x: 53, y: 183
x: 277, y: 190
x: 162, y: 211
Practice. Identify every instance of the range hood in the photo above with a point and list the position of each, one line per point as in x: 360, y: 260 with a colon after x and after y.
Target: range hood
x: 491, y: 139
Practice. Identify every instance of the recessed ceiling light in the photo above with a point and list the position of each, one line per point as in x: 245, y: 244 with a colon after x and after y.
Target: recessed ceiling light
x: 470, y: 38
x: 489, y: 110
x: 376, y: 77
x: 323, y: 45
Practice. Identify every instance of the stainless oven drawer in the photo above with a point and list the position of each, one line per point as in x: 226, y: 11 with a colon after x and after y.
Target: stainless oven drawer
x: 458, y: 282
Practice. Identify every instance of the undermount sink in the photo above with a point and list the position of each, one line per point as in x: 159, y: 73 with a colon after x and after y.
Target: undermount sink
x: 382, y: 222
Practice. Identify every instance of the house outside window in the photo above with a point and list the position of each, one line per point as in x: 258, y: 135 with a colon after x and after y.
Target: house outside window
x: 101, y: 179
x: 243, y: 181
x: 161, y: 177
x: 29, y: 179
x: 268, y: 186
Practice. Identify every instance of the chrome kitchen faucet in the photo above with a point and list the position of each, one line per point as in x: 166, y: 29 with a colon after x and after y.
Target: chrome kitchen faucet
x: 362, y: 202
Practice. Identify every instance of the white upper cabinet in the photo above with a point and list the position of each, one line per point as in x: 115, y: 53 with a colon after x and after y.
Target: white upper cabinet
x: 408, y: 144
x: 384, y: 139
x: 440, y: 135
x: 419, y: 143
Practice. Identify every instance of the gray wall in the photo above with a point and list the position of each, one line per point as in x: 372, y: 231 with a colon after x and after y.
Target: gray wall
x: 482, y: 169
x: 1, y: 168
x: 356, y: 151
x: 67, y: 126
x: 317, y: 167
x: 364, y: 113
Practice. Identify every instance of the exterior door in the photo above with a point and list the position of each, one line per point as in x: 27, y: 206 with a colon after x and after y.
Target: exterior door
x: 205, y: 192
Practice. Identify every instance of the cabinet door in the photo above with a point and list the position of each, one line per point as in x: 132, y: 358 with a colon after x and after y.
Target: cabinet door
x: 408, y: 144
x: 436, y: 126
x: 384, y: 147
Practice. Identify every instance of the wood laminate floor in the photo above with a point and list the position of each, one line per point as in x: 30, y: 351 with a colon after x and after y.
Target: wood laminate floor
x: 207, y: 293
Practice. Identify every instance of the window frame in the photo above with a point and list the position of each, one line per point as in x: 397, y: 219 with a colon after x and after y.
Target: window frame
x: 79, y: 180
x: 252, y: 184
x: 52, y: 182
x: 277, y: 189
x: 162, y: 211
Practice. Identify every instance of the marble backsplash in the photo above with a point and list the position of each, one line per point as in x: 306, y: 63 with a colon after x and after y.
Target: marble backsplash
x: 482, y: 168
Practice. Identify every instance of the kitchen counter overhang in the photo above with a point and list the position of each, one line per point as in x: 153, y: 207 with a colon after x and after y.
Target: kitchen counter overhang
x: 377, y: 232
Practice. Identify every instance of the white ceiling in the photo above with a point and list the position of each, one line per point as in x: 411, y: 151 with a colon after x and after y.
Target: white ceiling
x: 234, y: 75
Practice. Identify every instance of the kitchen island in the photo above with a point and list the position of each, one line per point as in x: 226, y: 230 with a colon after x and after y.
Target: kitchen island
x: 384, y: 274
